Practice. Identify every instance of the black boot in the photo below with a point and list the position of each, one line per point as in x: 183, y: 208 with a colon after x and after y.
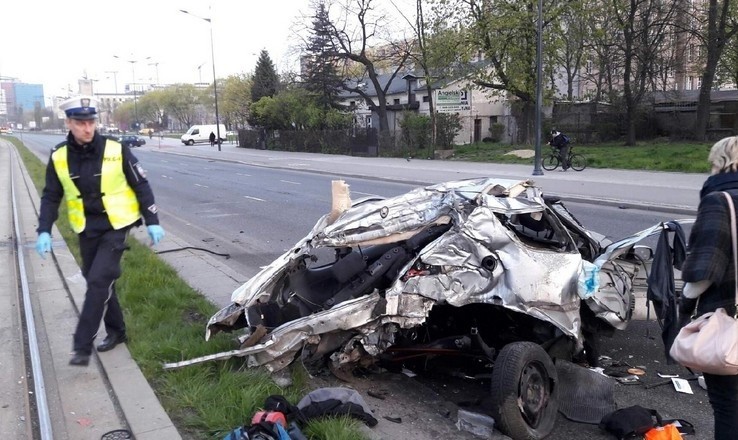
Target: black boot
x: 111, y: 341
x: 80, y: 359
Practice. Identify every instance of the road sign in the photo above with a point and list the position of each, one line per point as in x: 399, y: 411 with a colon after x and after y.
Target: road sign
x: 453, y: 101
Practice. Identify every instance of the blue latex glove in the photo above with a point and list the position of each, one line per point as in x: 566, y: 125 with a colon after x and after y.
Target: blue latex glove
x: 156, y: 233
x: 43, y: 244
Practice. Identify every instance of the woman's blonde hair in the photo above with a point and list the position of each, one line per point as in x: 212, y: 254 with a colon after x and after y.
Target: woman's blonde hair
x: 724, y: 155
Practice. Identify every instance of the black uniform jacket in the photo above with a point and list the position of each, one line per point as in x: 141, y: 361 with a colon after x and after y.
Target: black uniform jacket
x: 85, y: 165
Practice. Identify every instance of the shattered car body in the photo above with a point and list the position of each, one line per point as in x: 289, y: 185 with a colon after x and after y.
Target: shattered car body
x: 485, y: 271
x: 459, y: 244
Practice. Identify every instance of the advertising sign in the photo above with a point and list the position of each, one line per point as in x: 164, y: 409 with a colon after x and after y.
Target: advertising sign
x: 453, y: 101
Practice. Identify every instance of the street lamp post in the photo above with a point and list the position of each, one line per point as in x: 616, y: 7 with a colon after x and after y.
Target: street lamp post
x: 135, y: 104
x: 215, y: 80
x: 156, y: 66
x: 537, y: 171
x: 115, y: 78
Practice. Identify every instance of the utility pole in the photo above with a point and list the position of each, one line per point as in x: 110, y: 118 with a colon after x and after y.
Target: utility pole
x: 115, y: 78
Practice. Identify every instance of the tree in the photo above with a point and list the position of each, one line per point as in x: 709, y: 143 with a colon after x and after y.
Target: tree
x: 320, y: 76
x: 720, y: 28
x: 435, y: 50
x: 181, y: 101
x: 265, y: 80
x: 359, y: 29
x: 235, y: 99
x: 573, y: 22
x: 605, y: 62
x: 645, y: 25
x: 505, y: 31
x: 728, y: 66
x: 295, y: 109
x: 151, y: 108
x: 124, y: 114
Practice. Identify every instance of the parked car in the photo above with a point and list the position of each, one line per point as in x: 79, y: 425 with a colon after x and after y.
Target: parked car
x: 481, y: 273
x: 131, y: 141
x: 146, y: 131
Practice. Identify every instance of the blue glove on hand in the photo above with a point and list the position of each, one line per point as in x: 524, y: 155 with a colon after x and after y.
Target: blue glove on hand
x: 43, y: 244
x: 156, y: 233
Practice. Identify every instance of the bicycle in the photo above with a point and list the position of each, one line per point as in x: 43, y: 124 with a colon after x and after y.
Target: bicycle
x: 577, y: 162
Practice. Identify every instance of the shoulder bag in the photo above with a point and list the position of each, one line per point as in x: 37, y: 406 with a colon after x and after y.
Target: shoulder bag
x: 710, y: 343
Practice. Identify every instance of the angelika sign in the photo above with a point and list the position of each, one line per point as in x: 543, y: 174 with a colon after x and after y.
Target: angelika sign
x: 453, y: 101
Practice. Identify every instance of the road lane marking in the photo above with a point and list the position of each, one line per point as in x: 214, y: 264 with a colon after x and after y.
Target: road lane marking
x: 202, y: 186
x: 366, y: 194
x: 242, y: 174
x: 289, y: 181
x: 254, y: 198
x: 220, y: 215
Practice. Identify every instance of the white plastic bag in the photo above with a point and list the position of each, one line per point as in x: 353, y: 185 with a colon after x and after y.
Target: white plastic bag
x: 589, y: 280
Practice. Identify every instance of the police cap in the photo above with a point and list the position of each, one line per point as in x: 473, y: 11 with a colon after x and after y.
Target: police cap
x: 80, y: 107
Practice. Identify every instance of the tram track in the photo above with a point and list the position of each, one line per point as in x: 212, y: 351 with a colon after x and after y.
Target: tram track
x: 43, y: 397
x: 20, y: 419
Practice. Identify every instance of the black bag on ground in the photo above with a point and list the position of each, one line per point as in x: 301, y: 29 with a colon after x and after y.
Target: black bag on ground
x: 631, y: 421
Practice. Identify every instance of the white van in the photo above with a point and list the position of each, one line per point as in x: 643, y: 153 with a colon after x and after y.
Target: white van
x: 201, y: 133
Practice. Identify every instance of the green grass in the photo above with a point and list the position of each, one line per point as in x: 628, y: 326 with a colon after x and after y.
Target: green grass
x: 165, y: 321
x: 653, y: 156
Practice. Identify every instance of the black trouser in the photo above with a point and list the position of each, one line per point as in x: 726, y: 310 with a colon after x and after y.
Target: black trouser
x: 564, y: 156
x: 723, y: 394
x: 101, y: 267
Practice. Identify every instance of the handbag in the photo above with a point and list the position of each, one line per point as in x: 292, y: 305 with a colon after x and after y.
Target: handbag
x: 710, y: 343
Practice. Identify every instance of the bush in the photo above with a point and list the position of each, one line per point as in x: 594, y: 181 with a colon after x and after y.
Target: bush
x: 447, y: 127
x: 495, y: 132
x: 415, y: 132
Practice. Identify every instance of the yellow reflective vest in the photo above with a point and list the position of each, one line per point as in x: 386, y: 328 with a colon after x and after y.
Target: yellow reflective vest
x: 119, y: 200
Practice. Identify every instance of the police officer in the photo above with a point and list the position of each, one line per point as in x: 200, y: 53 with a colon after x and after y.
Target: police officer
x: 106, y: 193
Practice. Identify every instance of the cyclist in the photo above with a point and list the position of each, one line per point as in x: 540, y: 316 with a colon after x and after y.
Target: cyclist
x: 561, y: 142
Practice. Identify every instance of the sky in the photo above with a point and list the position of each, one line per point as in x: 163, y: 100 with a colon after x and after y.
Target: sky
x: 55, y: 43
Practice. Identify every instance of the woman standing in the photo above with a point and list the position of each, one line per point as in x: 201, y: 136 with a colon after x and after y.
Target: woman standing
x: 708, y: 271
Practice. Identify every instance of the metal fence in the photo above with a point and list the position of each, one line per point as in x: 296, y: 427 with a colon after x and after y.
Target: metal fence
x: 356, y: 142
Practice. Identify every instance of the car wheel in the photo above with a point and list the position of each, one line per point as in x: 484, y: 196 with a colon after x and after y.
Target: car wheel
x: 524, y: 391
x: 190, y: 142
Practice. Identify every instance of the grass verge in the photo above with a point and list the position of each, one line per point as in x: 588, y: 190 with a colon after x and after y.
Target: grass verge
x: 652, y: 156
x: 165, y: 321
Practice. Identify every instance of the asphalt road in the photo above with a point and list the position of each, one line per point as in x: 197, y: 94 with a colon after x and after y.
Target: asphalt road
x: 256, y: 213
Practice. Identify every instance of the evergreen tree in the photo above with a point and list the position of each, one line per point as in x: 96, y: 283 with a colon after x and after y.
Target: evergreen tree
x: 319, y: 75
x: 265, y: 80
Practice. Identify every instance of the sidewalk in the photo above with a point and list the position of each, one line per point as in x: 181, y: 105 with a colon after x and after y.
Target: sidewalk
x: 84, y: 402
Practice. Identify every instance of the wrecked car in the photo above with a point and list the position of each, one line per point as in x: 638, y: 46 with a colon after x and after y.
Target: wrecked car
x: 486, y: 268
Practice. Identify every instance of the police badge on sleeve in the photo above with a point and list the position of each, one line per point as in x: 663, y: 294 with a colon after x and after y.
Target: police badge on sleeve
x: 140, y: 170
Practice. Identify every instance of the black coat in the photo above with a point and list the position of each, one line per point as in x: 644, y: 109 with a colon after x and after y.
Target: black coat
x: 661, y: 288
x: 710, y: 255
x: 85, y: 168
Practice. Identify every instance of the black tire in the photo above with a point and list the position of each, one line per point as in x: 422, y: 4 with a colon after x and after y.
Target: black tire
x: 578, y: 162
x: 190, y: 142
x: 524, y: 401
x: 550, y: 163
